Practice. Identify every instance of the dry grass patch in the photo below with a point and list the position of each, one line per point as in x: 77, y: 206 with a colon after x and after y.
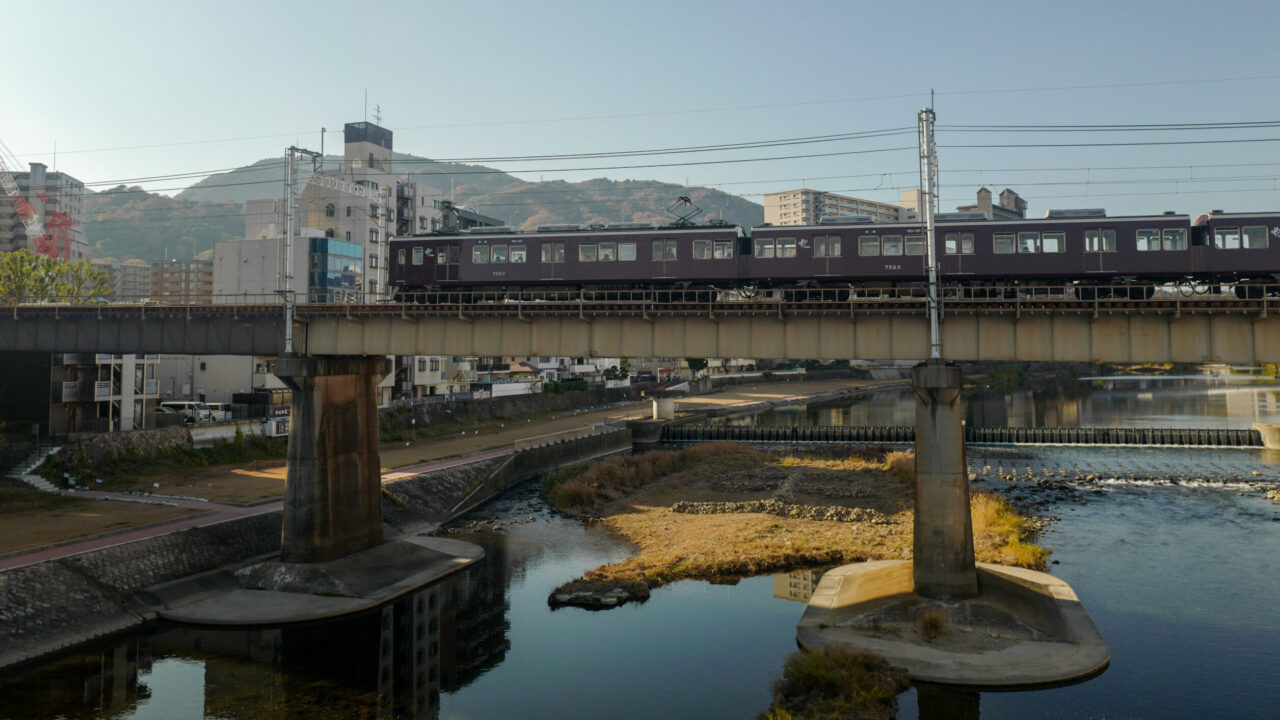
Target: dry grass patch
x: 1001, y: 535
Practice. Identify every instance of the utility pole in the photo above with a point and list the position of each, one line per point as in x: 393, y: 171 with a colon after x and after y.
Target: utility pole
x: 284, y: 279
x: 928, y: 204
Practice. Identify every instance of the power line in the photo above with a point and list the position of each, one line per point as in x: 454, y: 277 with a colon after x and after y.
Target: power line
x: 1118, y: 144
x: 887, y: 132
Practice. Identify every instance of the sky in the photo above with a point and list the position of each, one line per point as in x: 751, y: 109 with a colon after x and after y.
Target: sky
x: 131, y: 89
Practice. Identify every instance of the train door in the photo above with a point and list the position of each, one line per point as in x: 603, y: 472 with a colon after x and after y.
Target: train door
x: 551, y: 265
x: 1099, y: 250
x: 1200, y: 238
x: 397, y: 266
x: 957, y: 254
x: 825, y: 247
x: 447, y: 262
x: 665, y: 260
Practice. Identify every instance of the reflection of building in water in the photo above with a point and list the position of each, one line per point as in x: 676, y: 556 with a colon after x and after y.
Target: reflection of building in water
x: 797, y: 585
x: 90, y: 684
x: 391, y: 662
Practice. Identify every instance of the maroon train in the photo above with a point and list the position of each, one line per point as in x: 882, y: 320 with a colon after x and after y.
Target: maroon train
x: 1081, y: 248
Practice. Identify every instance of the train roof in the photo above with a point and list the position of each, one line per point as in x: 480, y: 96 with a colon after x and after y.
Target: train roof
x: 578, y: 231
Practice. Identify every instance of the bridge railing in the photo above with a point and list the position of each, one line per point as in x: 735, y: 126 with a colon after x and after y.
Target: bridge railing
x: 901, y: 298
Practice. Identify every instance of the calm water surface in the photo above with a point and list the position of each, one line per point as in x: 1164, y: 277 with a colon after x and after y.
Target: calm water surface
x: 1182, y: 581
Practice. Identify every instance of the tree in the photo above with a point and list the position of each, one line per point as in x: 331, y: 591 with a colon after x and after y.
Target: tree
x: 27, y: 277
x: 621, y: 372
x: 696, y: 365
x: 81, y: 282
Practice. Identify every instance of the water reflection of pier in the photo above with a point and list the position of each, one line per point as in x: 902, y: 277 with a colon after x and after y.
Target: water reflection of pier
x: 393, y: 662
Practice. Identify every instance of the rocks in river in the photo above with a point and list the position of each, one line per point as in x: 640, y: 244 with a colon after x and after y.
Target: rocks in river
x: 597, y: 595
x: 774, y: 507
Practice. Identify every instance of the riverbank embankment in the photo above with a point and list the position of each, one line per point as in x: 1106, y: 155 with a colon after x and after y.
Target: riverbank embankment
x: 49, y: 606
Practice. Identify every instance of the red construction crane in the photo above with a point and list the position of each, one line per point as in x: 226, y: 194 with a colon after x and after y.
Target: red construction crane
x: 57, y: 242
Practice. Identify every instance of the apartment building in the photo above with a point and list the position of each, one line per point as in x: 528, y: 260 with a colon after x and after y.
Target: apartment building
x: 76, y: 393
x: 803, y: 206
x: 182, y: 281
x: 129, y: 280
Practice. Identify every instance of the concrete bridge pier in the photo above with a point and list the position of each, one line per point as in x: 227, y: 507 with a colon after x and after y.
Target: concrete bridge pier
x: 333, y: 496
x: 943, y: 566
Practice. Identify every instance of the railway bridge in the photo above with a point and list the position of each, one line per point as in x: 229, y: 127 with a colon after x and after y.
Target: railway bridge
x: 332, y: 504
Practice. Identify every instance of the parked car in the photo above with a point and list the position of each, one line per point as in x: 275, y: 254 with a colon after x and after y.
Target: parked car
x: 194, y: 412
x: 219, y: 411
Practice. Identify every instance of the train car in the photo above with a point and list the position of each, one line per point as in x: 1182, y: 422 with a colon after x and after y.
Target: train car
x: 1082, y: 248
x: 1240, y: 247
x: 839, y: 253
x: 619, y: 256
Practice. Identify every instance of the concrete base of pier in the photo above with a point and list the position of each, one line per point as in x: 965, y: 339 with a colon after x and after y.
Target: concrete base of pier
x: 1023, y: 628
x: 274, y: 593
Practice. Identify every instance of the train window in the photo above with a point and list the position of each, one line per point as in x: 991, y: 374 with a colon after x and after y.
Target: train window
x: 452, y: 255
x: 828, y: 246
x: 608, y: 252
x: 400, y: 257
x: 517, y: 253
x: 891, y: 245
x: 1226, y: 238
x: 958, y: 243
x: 722, y: 249
x: 868, y: 245
x: 479, y: 254
x: 552, y: 252
x: 915, y: 244
x: 499, y: 253
x: 587, y: 252
x: 786, y: 247
x: 657, y: 250
x: 1255, y: 238
x: 764, y: 247
x: 1148, y: 240
x: 626, y: 251
x: 1002, y: 244
x: 701, y: 249
x: 1053, y: 242
x: 1100, y: 240
x: 669, y: 252
x: 1175, y: 239
x: 1028, y: 242
x: 417, y: 256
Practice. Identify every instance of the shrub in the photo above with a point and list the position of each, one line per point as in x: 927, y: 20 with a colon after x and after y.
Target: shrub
x: 836, y: 683
x: 932, y: 624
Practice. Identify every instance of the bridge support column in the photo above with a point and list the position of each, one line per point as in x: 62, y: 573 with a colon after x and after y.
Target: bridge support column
x: 943, y: 561
x: 333, y: 498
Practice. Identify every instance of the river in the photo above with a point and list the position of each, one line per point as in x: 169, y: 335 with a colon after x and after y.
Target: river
x: 1180, y: 577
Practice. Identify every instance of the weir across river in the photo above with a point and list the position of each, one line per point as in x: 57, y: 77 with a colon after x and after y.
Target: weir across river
x: 1181, y: 437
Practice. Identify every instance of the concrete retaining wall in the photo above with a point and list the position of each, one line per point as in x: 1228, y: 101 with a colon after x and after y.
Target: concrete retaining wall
x: 535, y: 461
x: 54, y: 605
x: 504, y: 407
x: 203, y: 436
x: 105, y: 446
